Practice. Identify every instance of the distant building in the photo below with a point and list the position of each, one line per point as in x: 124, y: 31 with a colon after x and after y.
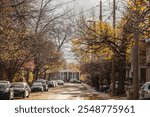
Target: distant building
x: 66, y: 75
x: 145, y: 66
x: 147, y: 59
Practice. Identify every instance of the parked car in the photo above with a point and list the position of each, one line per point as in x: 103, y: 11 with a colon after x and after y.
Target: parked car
x: 75, y: 81
x: 5, y: 91
x: 104, y: 88
x: 37, y: 86
x: 44, y: 83
x: 52, y: 83
x: 60, y: 82
x: 145, y: 91
x: 21, y: 89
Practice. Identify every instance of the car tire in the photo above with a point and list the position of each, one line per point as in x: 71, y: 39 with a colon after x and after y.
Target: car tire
x: 24, y: 95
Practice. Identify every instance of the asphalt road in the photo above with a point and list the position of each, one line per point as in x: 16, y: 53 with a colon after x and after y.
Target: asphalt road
x: 67, y: 91
x: 70, y: 91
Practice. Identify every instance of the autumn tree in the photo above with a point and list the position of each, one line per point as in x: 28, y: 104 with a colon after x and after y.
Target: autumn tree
x: 24, y: 35
x: 13, y: 36
x: 106, y: 41
x: 48, y: 28
x: 138, y: 11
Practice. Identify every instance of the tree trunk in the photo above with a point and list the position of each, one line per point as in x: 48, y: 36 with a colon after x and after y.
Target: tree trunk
x: 113, y: 77
x: 97, y: 82
x: 10, y: 74
x: 27, y: 77
x: 122, y: 74
x: 2, y: 72
x: 36, y: 73
x: 100, y: 83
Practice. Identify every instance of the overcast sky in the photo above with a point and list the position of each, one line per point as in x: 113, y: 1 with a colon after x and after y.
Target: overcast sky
x: 93, y: 5
x: 87, y: 3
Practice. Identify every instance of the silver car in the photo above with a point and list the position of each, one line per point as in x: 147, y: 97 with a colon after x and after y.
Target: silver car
x: 37, y: 86
x: 145, y: 91
x: 21, y: 89
x: 60, y: 82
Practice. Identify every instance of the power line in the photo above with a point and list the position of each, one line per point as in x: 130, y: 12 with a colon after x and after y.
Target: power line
x: 109, y: 16
x: 97, y: 6
x: 112, y: 11
x: 86, y: 10
x: 68, y: 2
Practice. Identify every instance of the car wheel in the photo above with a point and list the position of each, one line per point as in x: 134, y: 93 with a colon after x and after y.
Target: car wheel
x: 24, y: 94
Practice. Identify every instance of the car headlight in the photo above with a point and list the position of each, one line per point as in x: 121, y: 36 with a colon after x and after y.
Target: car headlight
x: 6, y: 90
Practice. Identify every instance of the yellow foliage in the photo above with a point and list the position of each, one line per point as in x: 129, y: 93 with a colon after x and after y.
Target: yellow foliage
x: 19, y: 77
x: 30, y: 80
x: 140, y: 5
x: 86, y: 50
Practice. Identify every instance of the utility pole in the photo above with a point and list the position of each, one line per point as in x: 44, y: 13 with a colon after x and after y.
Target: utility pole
x: 100, y: 16
x: 113, y: 59
x: 136, y: 71
x: 114, y: 14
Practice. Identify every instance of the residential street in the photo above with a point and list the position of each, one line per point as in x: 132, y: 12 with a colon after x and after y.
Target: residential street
x: 69, y: 92
x: 107, y: 48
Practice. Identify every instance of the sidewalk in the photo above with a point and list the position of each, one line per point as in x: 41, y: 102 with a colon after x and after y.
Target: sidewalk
x: 95, y: 95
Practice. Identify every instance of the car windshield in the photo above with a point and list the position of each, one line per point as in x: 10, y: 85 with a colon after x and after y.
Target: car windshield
x: 17, y: 85
x: 59, y: 80
x: 143, y: 87
x: 37, y: 84
x: 2, y: 85
x: 42, y: 81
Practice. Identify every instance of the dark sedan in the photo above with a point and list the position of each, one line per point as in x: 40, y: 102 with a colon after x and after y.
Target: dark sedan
x: 51, y: 84
x: 5, y: 91
x: 21, y: 89
x: 44, y: 83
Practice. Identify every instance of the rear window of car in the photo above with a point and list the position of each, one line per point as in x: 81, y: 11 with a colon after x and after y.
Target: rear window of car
x: 37, y: 84
x: 17, y: 85
x: 3, y: 85
x: 149, y: 87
